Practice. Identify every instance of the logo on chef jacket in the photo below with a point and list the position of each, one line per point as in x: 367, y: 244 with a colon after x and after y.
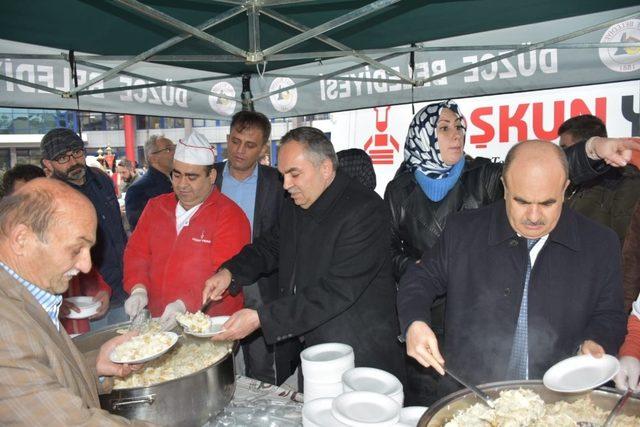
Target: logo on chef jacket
x: 622, y: 59
x: 221, y: 105
x: 283, y: 101
x: 201, y: 239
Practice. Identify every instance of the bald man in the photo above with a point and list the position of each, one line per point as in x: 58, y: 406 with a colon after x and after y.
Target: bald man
x: 528, y: 281
x: 46, y: 232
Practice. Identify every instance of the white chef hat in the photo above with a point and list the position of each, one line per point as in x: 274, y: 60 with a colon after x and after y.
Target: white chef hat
x: 196, y: 150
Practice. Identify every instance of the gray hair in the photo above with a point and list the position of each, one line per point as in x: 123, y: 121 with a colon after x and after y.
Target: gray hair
x: 36, y: 209
x: 317, y: 145
x: 150, y: 144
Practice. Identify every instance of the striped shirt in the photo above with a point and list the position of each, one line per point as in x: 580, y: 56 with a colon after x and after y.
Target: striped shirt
x: 49, y: 302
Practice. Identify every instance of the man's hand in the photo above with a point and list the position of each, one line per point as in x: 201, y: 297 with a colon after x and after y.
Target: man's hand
x: 103, y: 298
x: 168, y: 318
x: 592, y: 348
x: 628, y: 377
x: 240, y: 324
x: 422, y: 345
x: 216, y: 285
x: 67, y: 307
x: 614, y: 151
x: 137, y: 301
x: 104, y: 365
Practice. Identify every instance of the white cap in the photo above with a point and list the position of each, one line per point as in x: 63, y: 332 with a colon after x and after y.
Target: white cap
x: 196, y: 150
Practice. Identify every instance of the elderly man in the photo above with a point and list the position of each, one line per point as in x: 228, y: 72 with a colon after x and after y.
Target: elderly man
x: 528, y: 281
x: 182, y: 238
x: 331, y: 249
x: 158, y: 151
x: 46, y: 232
x: 64, y: 155
x: 257, y: 189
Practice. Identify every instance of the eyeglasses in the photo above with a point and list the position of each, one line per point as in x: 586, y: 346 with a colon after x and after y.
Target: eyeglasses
x: 167, y: 149
x: 64, y: 158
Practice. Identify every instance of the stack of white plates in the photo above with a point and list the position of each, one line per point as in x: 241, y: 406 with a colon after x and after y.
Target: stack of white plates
x: 88, y: 307
x: 317, y: 413
x: 411, y: 415
x: 374, y: 380
x: 365, y: 409
x: 322, y: 369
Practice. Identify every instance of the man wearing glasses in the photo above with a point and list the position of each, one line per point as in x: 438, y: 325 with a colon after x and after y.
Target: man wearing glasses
x: 63, y: 154
x: 158, y: 151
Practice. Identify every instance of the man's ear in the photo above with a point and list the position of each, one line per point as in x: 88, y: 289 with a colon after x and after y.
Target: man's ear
x: 20, y: 238
x: 326, y: 168
x: 213, y: 175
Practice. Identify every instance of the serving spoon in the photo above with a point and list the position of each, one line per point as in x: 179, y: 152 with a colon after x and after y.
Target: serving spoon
x: 486, y: 399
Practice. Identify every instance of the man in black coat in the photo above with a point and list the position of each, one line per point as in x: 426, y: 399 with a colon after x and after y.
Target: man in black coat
x: 257, y: 189
x: 331, y: 248
x: 158, y: 151
x: 528, y: 282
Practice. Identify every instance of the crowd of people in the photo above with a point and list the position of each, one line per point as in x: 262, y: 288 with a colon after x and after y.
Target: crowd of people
x: 494, y: 270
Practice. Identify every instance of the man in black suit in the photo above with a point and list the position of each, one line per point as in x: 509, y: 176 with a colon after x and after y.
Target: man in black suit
x: 257, y: 189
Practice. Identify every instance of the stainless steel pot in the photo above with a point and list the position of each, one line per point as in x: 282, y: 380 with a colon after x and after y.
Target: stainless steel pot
x: 186, y: 401
x: 444, y: 409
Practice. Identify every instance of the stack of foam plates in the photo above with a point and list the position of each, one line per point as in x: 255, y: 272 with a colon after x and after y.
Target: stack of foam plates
x: 322, y: 369
x: 317, y: 413
x: 375, y: 380
x: 88, y: 307
x: 365, y: 409
x: 411, y: 415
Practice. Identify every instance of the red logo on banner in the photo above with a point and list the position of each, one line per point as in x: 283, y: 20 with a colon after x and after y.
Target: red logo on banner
x: 379, y: 153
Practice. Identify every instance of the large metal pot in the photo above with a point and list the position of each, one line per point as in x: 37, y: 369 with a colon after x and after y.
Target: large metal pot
x: 186, y: 401
x: 445, y: 409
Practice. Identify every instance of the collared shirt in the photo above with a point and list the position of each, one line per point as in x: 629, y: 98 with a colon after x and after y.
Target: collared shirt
x: 242, y: 192
x: 183, y: 216
x: 50, y: 302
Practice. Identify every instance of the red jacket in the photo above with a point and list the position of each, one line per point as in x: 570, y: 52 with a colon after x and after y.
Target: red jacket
x: 80, y: 285
x: 176, y: 266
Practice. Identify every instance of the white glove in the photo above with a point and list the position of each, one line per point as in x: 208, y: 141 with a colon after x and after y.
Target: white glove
x: 136, y: 302
x: 629, y: 373
x: 168, y: 318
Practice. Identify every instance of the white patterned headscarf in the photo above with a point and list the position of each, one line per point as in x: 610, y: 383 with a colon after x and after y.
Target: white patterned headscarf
x: 421, y: 149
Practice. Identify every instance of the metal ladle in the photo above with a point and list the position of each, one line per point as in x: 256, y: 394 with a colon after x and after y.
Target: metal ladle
x: 481, y: 394
x: 140, y: 321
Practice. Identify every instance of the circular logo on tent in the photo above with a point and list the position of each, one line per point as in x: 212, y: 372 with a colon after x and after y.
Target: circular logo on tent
x: 622, y: 59
x: 283, y: 101
x: 222, y: 105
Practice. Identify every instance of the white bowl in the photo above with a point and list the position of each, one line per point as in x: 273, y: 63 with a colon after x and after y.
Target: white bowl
x: 325, y: 363
x: 375, y: 380
x: 318, y: 414
x: 411, y: 414
x: 88, y: 307
x: 314, y: 390
x: 366, y: 409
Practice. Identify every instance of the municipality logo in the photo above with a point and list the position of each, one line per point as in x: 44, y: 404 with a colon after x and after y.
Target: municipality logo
x: 622, y: 59
x: 283, y: 101
x: 221, y: 105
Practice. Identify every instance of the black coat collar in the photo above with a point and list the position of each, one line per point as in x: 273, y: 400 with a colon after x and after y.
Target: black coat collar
x: 321, y: 208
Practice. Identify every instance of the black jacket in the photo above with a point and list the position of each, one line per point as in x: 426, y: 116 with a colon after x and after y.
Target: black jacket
x: 575, y: 291
x: 153, y: 183
x: 269, y: 198
x: 335, y: 280
x: 417, y: 222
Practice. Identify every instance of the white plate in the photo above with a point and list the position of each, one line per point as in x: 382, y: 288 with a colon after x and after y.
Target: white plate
x: 317, y: 413
x: 580, y: 373
x: 88, y: 307
x: 411, y: 414
x: 365, y: 409
x: 174, y: 340
x: 215, y: 327
x: 371, y: 379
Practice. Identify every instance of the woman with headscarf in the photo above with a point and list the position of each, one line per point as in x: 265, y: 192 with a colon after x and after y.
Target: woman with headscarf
x: 436, y: 180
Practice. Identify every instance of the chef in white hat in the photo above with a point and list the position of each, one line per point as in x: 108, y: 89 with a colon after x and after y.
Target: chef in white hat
x: 182, y: 238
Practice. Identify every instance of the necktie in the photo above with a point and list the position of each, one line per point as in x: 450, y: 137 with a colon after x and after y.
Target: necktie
x: 519, y: 361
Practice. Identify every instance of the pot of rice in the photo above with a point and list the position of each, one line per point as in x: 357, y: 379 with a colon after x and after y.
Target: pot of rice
x: 530, y: 403
x: 187, y: 386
